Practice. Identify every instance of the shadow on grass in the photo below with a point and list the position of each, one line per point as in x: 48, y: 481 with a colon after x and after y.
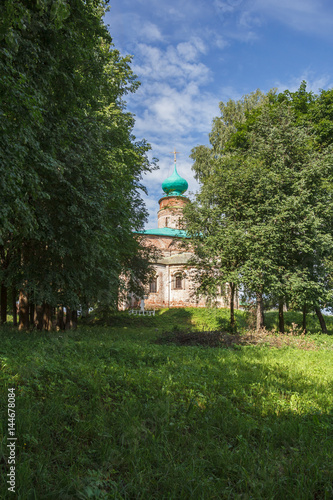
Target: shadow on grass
x: 110, y: 417
x: 143, y: 421
x: 173, y: 318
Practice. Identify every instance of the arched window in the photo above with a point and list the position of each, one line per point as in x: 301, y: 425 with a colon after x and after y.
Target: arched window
x: 178, y: 281
x: 153, y: 285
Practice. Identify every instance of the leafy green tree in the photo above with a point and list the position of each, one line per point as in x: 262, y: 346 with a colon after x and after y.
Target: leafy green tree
x: 217, y: 265
x: 216, y: 222
x: 232, y: 115
x: 267, y: 189
x: 70, y: 166
x: 314, y: 112
x: 295, y: 238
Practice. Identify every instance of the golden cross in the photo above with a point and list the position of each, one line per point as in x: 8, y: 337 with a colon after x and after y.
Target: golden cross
x: 175, y: 154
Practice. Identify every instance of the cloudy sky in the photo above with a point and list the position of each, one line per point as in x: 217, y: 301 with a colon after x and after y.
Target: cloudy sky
x: 191, y: 54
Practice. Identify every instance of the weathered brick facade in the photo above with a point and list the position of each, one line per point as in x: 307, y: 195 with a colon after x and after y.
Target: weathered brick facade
x: 171, y: 210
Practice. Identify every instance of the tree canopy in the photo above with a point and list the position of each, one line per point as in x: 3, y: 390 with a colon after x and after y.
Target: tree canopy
x: 70, y: 165
x: 265, y: 202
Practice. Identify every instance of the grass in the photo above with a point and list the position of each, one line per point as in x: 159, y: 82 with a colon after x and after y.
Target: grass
x: 105, y: 412
x: 212, y: 319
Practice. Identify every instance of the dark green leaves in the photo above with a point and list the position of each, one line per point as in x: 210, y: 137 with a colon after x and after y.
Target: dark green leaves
x: 265, y: 205
x: 70, y: 168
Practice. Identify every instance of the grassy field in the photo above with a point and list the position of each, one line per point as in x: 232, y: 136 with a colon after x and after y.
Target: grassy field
x: 104, y: 412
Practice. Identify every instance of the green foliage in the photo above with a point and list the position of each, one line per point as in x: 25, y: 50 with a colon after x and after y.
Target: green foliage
x: 232, y: 117
x: 262, y: 219
x: 293, y: 321
x: 70, y: 166
x: 105, y: 413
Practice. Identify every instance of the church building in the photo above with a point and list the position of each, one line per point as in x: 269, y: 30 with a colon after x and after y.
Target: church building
x: 173, y: 284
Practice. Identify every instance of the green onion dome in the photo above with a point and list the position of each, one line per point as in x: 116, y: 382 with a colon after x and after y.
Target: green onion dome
x: 174, y: 185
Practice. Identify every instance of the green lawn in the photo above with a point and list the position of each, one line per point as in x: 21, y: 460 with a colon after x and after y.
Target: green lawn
x: 104, y: 412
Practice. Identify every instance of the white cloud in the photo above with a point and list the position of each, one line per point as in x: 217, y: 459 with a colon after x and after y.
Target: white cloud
x: 249, y: 20
x: 220, y: 42
x: 171, y: 97
x: 238, y: 20
x: 226, y: 7
x: 189, y: 51
x: 150, y: 32
x: 157, y: 64
x: 314, y: 82
x: 172, y: 112
x: 173, y: 109
x: 152, y: 207
x: 242, y: 18
x: 310, y: 16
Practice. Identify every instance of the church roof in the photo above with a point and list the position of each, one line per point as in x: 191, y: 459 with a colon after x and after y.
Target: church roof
x: 175, y: 185
x: 166, y: 231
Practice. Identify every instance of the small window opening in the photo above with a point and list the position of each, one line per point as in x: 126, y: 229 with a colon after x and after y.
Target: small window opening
x: 153, y: 286
x: 178, y: 282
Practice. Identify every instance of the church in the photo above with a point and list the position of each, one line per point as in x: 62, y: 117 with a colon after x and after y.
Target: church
x: 173, y: 284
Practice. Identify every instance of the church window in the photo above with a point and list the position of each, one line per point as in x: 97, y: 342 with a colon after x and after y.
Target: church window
x: 167, y: 222
x: 153, y: 286
x: 178, y: 281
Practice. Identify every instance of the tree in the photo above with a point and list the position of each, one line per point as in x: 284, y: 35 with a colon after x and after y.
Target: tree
x: 232, y: 114
x: 266, y: 188
x: 215, y: 264
x: 70, y: 166
x: 216, y: 224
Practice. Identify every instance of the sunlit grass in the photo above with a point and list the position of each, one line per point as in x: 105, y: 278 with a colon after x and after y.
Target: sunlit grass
x: 104, y: 412
x: 212, y: 319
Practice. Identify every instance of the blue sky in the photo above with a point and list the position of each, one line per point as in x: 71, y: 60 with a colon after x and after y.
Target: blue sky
x: 190, y: 55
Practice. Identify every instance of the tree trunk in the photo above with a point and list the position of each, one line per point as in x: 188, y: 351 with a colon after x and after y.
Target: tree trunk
x: 74, y: 319
x: 38, y: 317
x: 321, y: 320
x: 260, y: 312
x: 85, y: 309
x: 23, y: 310
x: 14, y: 296
x: 304, y: 318
x: 281, y: 317
x: 232, y: 307
x: 60, y: 318
x: 3, y: 288
x: 32, y: 314
x: 68, y: 325
x: 3, y: 303
x: 47, y: 317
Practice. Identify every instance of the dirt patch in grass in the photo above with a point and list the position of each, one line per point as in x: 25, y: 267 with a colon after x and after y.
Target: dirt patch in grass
x: 223, y: 339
